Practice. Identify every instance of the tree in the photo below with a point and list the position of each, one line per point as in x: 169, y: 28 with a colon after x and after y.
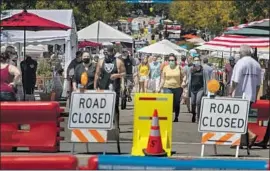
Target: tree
x: 251, y: 10
x: 85, y: 11
x: 212, y: 15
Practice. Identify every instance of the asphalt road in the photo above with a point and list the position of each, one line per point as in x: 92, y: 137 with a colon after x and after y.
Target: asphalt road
x: 186, y: 141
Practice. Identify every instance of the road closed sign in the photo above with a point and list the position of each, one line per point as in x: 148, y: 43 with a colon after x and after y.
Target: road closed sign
x: 92, y: 110
x: 224, y: 115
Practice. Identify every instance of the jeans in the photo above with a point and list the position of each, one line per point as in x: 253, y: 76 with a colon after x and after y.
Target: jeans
x: 177, y: 93
x: 196, y: 98
x: 7, y: 96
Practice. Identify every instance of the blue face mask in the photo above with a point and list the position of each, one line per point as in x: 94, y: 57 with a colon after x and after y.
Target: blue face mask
x: 197, y: 63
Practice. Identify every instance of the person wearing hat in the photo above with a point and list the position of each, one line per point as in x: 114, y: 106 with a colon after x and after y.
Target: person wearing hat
x: 227, y: 74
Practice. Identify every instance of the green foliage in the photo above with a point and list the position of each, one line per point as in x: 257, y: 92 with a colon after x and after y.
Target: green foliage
x: 217, y: 15
x: 44, y: 68
x: 85, y: 11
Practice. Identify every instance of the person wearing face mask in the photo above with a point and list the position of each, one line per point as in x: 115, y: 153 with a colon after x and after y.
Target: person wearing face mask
x: 129, y: 64
x: 197, y: 87
x: 154, y: 75
x: 227, y: 74
x: 109, y: 72
x: 88, y: 67
x: 74, y: 63
x: 171, y: 81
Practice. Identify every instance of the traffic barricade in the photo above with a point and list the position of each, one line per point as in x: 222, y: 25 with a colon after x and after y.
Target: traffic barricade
x: 144, y: 106
x: 222, y: 120
x: 36, y: 162
x: 33, y: 125
x: 91, y: 118
x: 103, y: 162
x: 263, y: 109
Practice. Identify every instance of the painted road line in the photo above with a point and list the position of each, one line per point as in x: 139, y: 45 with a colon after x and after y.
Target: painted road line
x: 150, y: 118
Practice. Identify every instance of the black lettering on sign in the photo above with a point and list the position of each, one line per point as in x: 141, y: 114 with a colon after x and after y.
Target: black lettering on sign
x: 74, y: 115
x: 220, y: 108
x: 227, y: 122
x: 219, y: 122
x: 153, y: 143
x: 107, y: 118
x: 203, y: 119
x: 213, y: 108
x: 89, y: 103
x: 100, y: 118
x: 241, y: 123
x: 102, y: 103
x: 233, y: 123
x: 87, y: 118
x: 236, y: 109
x: 211, y: 122
x: 228, y: 109
x: 81, y: 120
x: 96, y: 104
x: 94, y: 116
x: 81, y: 103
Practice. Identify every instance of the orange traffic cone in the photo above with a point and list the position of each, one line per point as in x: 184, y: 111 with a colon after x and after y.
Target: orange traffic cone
x: 154, y: 147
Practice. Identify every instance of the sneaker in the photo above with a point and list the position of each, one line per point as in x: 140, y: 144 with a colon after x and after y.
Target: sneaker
x: 175, y: 120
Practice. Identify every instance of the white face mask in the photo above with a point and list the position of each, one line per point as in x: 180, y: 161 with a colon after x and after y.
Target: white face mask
x: 197, y: 63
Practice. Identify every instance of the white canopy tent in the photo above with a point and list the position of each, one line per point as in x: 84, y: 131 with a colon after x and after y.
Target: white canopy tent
x: 172, y: 45
x: 101, y: 32
x: 159, y: 48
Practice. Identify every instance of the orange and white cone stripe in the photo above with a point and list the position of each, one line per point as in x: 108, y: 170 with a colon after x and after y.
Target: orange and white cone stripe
x: 85, y: 135
x: 221, y: 138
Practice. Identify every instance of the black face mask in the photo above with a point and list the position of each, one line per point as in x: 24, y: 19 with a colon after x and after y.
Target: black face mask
x: 86, y: 60
x: 109, y: 58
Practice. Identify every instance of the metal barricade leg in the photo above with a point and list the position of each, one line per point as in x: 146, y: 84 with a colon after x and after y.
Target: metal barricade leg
x: 247, y: 143
x: 117, y: 129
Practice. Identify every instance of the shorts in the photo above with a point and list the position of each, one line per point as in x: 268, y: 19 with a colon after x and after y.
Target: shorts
x: 129, y: 81
x: 143, y: 78
x: 154, y: 84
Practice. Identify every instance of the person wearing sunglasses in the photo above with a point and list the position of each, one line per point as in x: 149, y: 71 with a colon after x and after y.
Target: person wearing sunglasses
x: 171, y: 81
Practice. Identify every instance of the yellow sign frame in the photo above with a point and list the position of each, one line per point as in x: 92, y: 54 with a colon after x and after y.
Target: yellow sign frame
x: 144, y: 106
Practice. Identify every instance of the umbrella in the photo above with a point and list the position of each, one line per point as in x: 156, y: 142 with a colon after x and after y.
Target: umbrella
x: 30, y: 22
x: 84, y: 44
x: 159, y: 48
x: 172, y: 45
x: 196, y: 40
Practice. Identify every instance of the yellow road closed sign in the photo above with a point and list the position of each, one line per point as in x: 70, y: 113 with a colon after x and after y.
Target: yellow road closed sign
x: 144, y: 106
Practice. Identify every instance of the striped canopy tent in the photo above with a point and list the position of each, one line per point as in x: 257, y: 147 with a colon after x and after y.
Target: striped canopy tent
x: 232, y: 43
x: 261, y: 24
x: 235, y: 41
x: 257, y: 28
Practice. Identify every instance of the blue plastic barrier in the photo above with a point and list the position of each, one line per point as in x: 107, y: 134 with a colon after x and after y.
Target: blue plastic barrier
x: 104, y: 162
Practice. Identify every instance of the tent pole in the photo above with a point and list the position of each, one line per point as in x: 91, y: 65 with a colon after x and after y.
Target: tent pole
x: 24, y: 57
x: 98, y: 32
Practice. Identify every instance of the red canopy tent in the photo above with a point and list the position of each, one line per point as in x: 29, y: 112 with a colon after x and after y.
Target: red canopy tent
x: 84, y: 44
x: 30, y: 22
